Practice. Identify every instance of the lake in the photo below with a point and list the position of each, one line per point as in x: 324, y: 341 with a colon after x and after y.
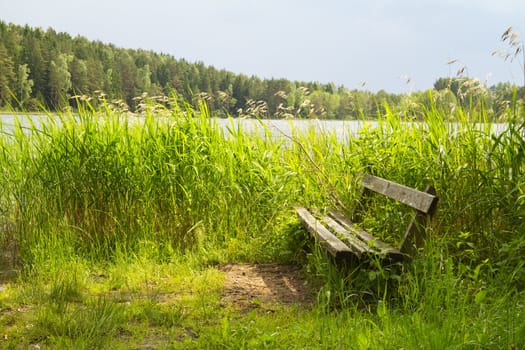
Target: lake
x: 342, y: 128
x: 278, y: 127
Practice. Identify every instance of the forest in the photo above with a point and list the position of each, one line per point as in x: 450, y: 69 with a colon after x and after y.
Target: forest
x: 45, y: 70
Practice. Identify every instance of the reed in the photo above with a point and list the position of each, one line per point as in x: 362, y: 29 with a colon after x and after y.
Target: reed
x: 109, y: 182
x: 100, y: 190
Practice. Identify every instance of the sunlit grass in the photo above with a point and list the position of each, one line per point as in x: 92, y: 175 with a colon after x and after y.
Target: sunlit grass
x: 117, y: 225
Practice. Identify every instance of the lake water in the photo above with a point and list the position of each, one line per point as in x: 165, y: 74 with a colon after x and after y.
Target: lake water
x: 277, y: 127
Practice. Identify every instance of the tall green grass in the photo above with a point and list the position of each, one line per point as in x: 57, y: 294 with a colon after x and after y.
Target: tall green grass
x: 101, y: 188
x: 105, y: 183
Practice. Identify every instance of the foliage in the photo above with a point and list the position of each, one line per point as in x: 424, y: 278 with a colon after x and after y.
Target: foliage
x: 45, y: 69
x: 106, y: 208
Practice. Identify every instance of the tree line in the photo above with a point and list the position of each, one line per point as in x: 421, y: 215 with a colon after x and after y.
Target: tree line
x: 43, y: 70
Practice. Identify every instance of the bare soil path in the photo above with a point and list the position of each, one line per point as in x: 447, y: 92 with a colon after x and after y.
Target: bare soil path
x: 249, y: 286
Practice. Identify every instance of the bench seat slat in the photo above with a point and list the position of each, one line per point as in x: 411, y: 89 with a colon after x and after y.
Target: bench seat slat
x: 422, y: 201
x: 362, y: 234
x: 327, y: 239
x: 358, y: 246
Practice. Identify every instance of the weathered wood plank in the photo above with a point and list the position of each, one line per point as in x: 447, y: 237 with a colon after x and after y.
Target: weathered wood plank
x: 327, y: 239
x: 359, y: 247
x: 371, y: 241
x: 362, y: 234
x: 419, y: 200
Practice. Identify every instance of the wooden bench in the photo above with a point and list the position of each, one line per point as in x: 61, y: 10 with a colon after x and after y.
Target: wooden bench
x: 343, y: 240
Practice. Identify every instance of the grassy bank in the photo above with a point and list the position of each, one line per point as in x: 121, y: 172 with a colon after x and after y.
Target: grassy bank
x: 119, y: 226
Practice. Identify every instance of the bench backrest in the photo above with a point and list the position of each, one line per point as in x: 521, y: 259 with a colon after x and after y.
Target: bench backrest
x: 423, y: 202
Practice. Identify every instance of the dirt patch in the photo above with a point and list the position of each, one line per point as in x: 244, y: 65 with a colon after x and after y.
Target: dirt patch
x: 262, y: 285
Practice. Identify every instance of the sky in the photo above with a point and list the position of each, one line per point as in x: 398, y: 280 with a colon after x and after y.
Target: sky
x: 399, y: 46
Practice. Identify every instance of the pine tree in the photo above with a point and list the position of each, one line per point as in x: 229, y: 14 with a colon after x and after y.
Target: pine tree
x: 7, y: 76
